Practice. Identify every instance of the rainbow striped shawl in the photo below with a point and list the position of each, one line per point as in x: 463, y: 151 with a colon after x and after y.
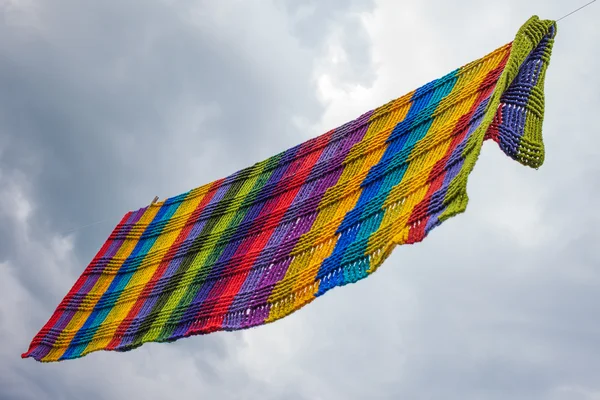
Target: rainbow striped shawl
x: 261, y: 243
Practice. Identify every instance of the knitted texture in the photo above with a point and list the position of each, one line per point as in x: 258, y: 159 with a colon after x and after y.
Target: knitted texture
x: 260, y: 244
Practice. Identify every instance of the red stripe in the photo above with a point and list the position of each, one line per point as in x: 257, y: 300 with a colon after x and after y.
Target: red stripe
x: 420, y: 215
x: 493, y: 132
x: 160, y: 270
x: 228, y: 288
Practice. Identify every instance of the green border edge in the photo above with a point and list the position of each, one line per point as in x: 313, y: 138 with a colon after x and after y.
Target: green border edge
x: 527, y: 39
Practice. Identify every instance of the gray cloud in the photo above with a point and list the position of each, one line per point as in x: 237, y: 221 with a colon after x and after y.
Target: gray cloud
x: 105, y: 105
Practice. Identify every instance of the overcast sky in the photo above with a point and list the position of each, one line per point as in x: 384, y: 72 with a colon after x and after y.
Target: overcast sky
x: 105, y: 104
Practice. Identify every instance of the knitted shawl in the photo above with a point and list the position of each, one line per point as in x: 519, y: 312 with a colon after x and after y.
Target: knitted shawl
x: 255, y: 246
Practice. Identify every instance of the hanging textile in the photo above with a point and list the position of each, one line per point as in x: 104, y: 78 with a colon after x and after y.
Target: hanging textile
x: 255, y: 246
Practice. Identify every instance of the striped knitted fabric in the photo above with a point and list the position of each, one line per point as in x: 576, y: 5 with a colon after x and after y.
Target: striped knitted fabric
x: 258, y: 245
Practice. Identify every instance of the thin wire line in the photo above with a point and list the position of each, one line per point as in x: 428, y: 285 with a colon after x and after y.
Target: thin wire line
x: 574, y: 11
x: 156, y: 198
x: 86, y: 226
